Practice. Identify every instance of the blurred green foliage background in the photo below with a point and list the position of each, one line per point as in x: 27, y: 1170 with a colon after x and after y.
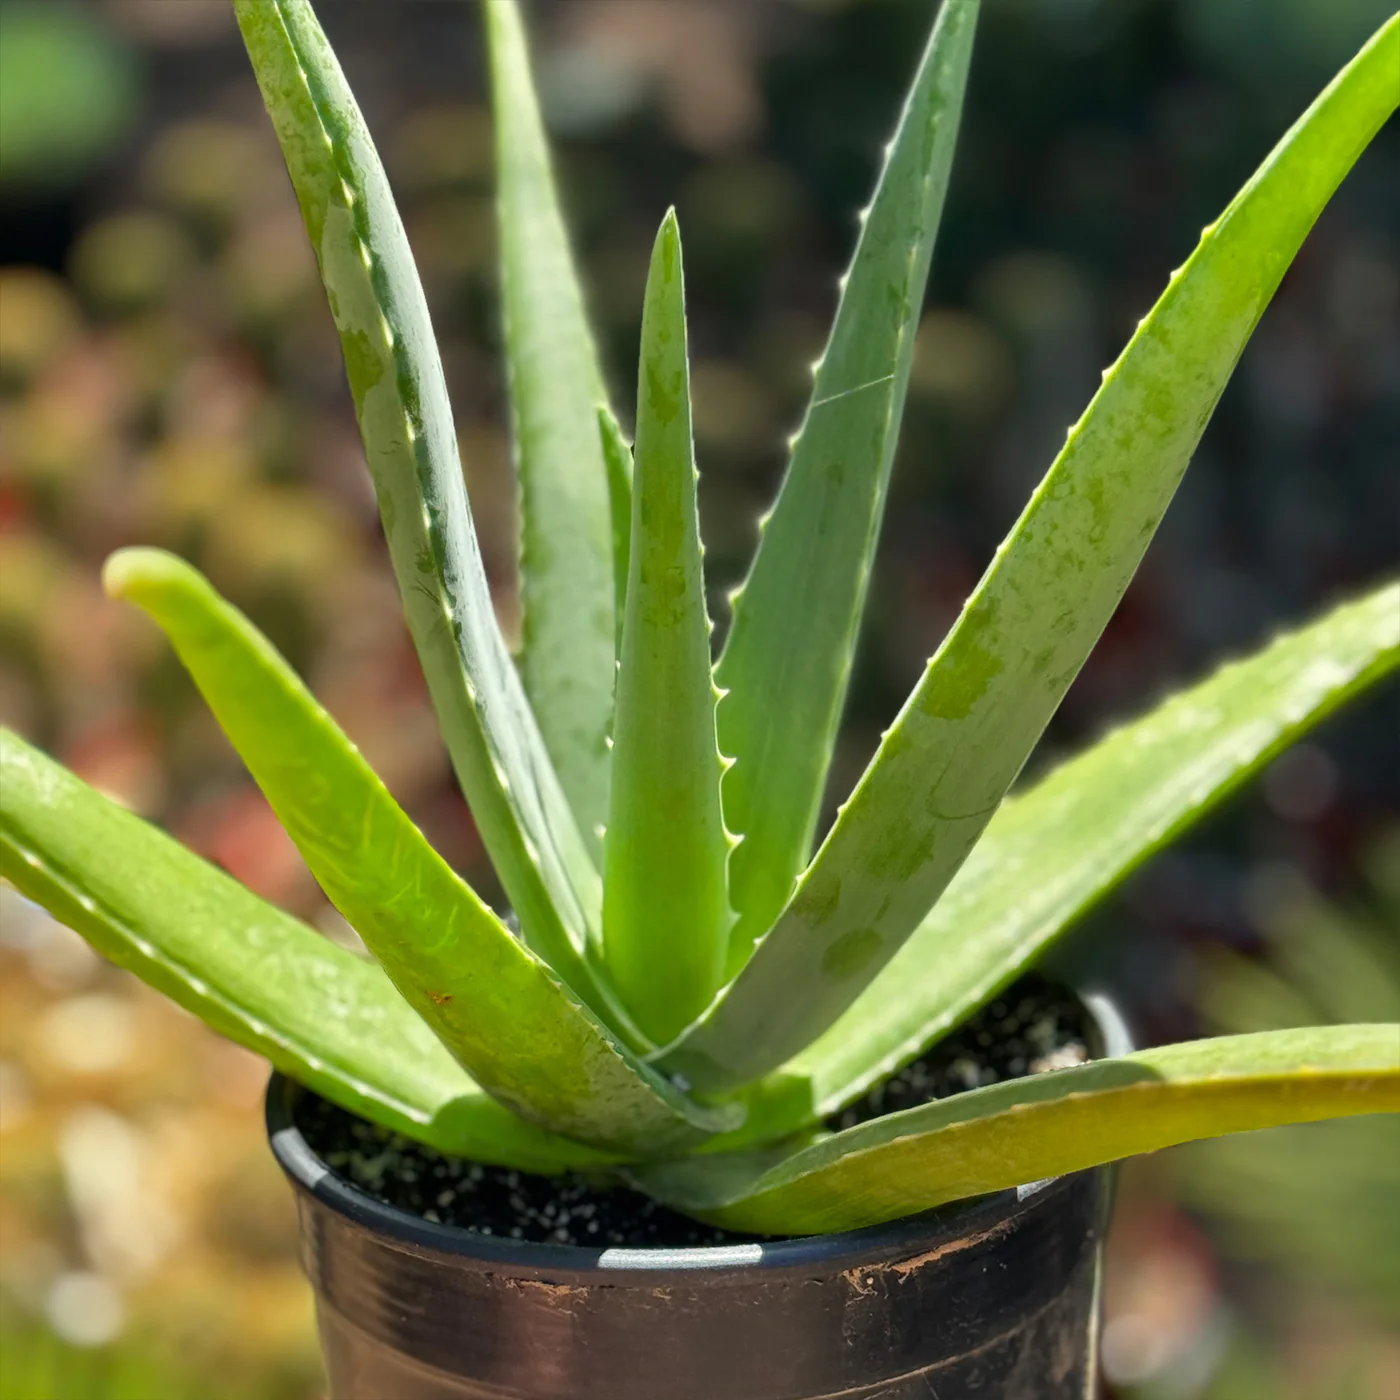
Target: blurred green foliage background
x: 169, y: 374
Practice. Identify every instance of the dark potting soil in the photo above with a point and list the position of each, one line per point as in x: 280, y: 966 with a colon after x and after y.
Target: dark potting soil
x: 1033, y: 1026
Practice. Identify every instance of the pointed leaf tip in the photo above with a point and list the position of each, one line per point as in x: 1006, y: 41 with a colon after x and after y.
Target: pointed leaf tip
x: 667, y: 248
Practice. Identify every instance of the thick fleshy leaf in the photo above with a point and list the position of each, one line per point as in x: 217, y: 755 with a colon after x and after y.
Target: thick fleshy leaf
x: 329, y: 1019
x: 961, y: 738
x: 500, y: 1010
x: 1050, y: 853
x: 1026, y: 1130
x: 617, y: 456
x: 406, y: 422
x: 665, y: 914
x: 785, y: 681
x: 566, y: 557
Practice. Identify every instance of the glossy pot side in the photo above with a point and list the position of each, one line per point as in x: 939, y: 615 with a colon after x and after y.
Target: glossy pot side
x: 996, y: 1297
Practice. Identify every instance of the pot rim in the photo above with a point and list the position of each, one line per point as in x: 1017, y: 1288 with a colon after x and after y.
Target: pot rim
x: 953, y: 1221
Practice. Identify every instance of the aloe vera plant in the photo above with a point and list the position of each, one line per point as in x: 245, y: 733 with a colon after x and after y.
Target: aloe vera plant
x: 689, y: 989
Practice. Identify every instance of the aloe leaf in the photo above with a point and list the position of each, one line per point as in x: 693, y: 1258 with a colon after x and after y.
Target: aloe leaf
x: 1045, y: 1125
x: 1051, y: 853
x: 665, y: 914
x: 569, y: 660
x: 617, y: 456
x: 329, y: 1019
x: 502, y: 1012
x: 785, y: 684
x: 960, y: 740
x: 405, y: 419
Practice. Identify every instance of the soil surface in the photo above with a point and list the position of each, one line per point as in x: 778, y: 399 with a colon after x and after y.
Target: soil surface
x: 1031, y: 1027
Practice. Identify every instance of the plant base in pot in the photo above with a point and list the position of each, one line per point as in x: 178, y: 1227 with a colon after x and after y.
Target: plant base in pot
x: 993, y: 1297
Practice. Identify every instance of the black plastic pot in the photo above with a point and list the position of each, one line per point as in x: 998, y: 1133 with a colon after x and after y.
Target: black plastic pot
x: 995, y: 1299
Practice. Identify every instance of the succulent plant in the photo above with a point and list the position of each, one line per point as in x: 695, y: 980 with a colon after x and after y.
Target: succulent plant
x: 685, y: 990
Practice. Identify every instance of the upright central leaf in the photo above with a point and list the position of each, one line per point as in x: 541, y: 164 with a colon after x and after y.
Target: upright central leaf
x: 784, y: 683
x: 566, y: 548
x: 665, y: 909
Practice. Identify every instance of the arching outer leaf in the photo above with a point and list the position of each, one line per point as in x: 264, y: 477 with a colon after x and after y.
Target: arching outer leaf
x: 566, y: 559
x: 1050, y: 853
x: 329, y: 1019
x: 962, y: 736
x: 406, y: 422
x: 665, y: 915
x: 1028, y: 1129
x: 502, y: 1012
x: 785, y: 680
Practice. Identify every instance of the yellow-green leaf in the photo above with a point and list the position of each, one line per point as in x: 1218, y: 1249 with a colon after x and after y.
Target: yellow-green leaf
x: 504, y: 1014
x: 331, y: 1020
x: 1028, y: 1129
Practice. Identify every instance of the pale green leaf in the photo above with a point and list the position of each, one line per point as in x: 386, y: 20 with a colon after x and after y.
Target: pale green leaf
x: 405, y: 420
x: 504, y: 1015
x: 329, y: 1019
x: 1051, y: 853
x: 566, y: 557
x: 617, y: 456
x: 945, y: 764
x: 784, y: 675
x: 665, y: 915
x: 1026, y: 1130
